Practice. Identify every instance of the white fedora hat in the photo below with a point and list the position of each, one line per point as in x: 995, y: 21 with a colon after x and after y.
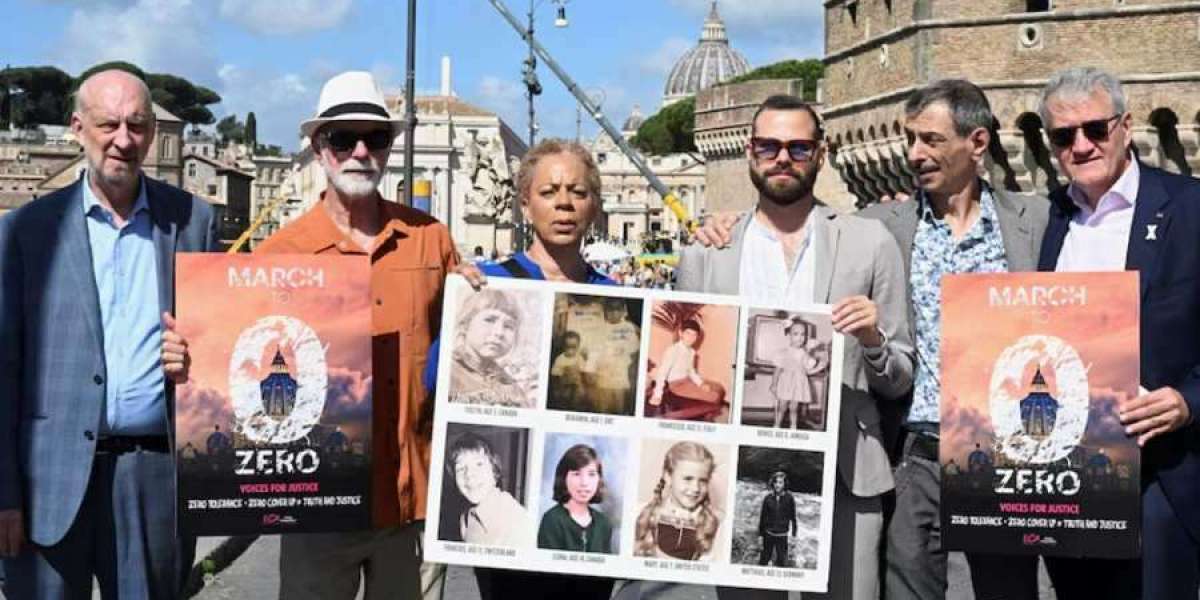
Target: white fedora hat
x: 350, y: 96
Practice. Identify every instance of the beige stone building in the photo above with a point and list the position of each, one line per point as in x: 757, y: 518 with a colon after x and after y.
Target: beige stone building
x: 632, y: 211
x: 223, y: 186
x: 878, y: 51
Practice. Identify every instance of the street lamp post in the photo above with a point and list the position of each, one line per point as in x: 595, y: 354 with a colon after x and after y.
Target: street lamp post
x: 533, y: 88
x: 597, y: 96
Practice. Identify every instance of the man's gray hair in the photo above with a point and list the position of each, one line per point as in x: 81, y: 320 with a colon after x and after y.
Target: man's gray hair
x: 1079, y: 83
x: 968, y: 104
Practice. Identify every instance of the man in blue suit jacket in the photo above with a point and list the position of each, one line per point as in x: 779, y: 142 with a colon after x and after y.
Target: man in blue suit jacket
x: 86, y: 472
x: 1118, y: 214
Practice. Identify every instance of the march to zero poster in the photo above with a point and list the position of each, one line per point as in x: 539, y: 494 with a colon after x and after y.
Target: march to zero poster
x: 1034, y: 457
x: 273, y: 427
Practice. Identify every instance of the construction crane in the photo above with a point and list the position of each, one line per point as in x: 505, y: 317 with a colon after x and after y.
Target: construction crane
x: 669, y: 199
x: 263, y: 213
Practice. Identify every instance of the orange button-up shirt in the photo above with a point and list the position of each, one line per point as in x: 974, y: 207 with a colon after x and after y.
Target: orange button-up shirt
x: 413, y: 253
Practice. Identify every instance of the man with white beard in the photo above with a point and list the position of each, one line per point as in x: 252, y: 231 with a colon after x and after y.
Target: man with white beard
x: 410, y: 254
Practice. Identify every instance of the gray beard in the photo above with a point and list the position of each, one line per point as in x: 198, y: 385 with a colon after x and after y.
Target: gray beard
x: 352, y: 186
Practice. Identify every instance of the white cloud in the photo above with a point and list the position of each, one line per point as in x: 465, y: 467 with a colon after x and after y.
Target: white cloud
x: 282, y: 17
x: 504, y: 97
x: 157, y: 35
x: 279, y: 101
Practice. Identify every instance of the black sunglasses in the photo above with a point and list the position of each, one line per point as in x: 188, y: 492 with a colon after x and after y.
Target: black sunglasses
x: 768, y: 148
x: 1097, y: 131
x: 344, y: 140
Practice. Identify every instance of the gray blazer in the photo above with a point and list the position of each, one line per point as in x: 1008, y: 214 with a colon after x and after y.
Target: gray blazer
x: 1022, y: 223
x: 52, y: 361
x: 853, y: 256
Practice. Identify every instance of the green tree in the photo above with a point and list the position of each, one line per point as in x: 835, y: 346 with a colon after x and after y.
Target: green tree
x: 230, y: 129
x: 251, y: 130
x: 810, y: 71
x: 177, y: 95
x: 268, y: 150
x: 670, y: 129
x: 119, y: 65
x: 182, y: 98
x: 34, y: 96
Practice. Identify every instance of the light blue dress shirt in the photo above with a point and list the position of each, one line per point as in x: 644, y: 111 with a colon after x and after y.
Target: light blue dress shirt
x: 125, y: 268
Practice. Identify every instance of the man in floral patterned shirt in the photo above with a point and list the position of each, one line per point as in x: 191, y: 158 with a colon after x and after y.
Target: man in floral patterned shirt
x: 956, y: 223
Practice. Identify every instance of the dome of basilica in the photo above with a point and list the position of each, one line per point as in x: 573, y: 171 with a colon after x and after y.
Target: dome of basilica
x: 712, y: 61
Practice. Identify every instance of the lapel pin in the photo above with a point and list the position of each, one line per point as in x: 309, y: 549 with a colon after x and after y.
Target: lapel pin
x: 1151, y: 232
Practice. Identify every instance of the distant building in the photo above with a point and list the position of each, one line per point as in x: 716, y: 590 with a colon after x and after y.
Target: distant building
x: 200, y: 143
x: 271, y: 182
x: 878, y: 52
x: 279, y: 389
x: 632, y: 211
x: 26, y: 162
x: 1039, y: 410
x: 164, y: 161
x: 710, y: 62
x: 223, y: 186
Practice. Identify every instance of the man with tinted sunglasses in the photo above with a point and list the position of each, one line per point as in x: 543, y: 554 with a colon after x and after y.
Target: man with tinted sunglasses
x: 1120, y: 214
x: 792, y: 250
x: 410, y: 254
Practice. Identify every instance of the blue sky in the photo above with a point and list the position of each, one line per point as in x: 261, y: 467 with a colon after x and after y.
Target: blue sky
x: 271, y: 56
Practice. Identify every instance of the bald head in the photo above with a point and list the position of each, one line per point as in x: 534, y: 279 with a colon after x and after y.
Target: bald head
x: 114, y: 121
x: 111, y: 82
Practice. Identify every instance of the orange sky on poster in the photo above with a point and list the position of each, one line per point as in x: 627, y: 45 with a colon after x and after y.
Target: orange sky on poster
x: 974, y: 333
x: 211, y: 314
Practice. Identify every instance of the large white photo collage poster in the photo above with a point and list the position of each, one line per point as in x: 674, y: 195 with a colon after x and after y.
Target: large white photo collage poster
x: 634, y: 434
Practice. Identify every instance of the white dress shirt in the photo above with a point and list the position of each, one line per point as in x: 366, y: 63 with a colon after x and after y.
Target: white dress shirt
x: 763, y: 274
x: 1098, y: 240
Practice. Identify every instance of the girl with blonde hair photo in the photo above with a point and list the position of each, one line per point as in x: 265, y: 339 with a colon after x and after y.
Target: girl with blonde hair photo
x: 679, y: 521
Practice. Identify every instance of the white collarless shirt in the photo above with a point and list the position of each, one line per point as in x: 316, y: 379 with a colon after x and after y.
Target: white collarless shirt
x: 763, y: 273
x: 1099, y: 240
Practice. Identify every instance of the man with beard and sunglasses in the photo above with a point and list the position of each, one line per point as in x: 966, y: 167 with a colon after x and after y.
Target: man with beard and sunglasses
x: 410, y: 254
x: 792, y: 250
x: 1121, y: 214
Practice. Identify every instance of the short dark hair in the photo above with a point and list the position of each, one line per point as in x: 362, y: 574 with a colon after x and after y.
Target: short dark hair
x: 575, y: 458
x: 787, y: 102
x: 473, y: 442
x: 692, y: 324
x: 572, y: 334
x: 969, y: 107
x: 778, y: 475
x: 614, y: 304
